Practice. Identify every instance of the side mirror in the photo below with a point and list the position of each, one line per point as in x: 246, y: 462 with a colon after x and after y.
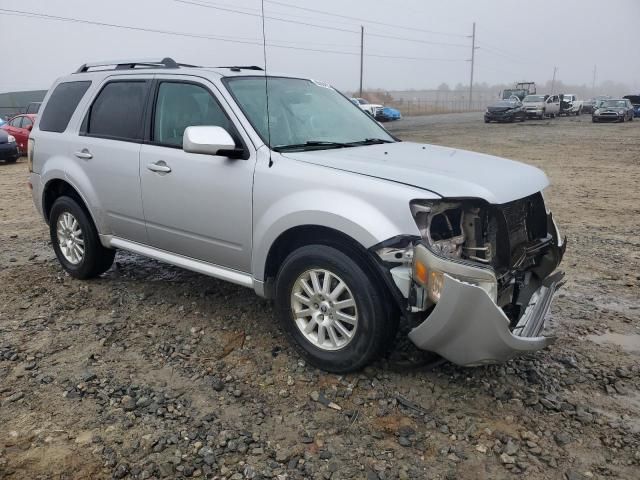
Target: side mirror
x: 209, y: 141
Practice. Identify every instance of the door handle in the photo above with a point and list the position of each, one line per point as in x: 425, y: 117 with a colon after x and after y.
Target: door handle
x: 84, y: 154
x: 159, y: 167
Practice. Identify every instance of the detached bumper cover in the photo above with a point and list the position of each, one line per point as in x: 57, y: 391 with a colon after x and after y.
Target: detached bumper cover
x: 467, y: 328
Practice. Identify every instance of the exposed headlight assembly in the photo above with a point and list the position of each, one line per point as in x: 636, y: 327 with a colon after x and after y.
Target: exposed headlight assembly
x: 429, y: 272
x: 440, y: 225
x: 11, y: 139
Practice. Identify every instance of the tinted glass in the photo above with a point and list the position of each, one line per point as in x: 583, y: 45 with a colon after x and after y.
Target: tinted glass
x: 182, y: 105
x: 26, y: 122
x: 61, y: 105
x: 118, y: 110
x: 16, y: 122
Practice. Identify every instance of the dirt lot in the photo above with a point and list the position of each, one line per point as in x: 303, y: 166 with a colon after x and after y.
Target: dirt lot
x: 152, y: 371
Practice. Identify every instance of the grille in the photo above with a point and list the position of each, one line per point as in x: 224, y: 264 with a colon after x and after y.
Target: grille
x: 520, y: 224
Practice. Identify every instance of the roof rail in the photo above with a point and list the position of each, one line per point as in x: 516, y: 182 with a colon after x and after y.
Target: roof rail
x: 237, y: 68
x: 131, y: 64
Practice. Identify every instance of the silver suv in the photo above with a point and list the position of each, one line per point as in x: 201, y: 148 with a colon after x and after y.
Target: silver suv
x: 283, y: 185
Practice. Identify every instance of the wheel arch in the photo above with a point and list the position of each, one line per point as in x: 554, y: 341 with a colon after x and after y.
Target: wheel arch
x: 57, y: 187
x: 303, y: 235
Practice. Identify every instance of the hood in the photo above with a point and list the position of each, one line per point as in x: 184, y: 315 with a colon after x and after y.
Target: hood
x: 448, y: 172
x: 501, y: 106
x: 533, y: 104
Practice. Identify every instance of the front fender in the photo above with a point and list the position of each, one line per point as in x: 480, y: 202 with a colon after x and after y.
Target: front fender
x: 341, y: 211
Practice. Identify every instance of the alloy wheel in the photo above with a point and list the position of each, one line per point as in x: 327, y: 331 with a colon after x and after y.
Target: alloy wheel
x: 70, y: 238
x: 324, y: 309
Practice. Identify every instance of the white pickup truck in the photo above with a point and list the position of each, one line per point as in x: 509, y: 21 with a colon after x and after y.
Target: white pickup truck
x: 570, y: 105
x: 541, y: 106
x: 373, y: 108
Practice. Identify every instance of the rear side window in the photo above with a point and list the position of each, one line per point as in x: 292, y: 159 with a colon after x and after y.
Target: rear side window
x: 61, y: 105
x: 117, y: 111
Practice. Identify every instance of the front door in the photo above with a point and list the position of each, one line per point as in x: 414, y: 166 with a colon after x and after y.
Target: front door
x: 195, y: 205
x: 553, y: 105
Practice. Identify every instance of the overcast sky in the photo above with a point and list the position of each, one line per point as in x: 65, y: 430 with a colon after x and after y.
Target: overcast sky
x: 517, y: 39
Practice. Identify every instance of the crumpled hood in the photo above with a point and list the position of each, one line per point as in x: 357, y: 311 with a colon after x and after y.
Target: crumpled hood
x: 448, y: 172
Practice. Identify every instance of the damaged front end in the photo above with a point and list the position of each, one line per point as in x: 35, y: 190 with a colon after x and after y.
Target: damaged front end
x: 480, y: 278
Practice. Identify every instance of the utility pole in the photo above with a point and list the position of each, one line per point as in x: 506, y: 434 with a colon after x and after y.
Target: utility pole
x: 473, y: 60
x: 361, y: 56
x: 593, y: 83
x: 553, y: 81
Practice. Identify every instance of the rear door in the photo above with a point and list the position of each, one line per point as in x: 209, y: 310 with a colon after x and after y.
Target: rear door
x: 108, y: 149
x: 200, y: 206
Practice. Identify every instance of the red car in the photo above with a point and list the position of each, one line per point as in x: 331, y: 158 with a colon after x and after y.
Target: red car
x: 20, y: 127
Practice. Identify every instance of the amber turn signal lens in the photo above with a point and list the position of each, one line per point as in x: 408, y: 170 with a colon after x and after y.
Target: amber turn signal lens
x: 420, y: 272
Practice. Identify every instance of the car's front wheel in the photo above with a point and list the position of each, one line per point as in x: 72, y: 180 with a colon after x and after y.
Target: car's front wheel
x: 333, y: 311
x: 75, y: 240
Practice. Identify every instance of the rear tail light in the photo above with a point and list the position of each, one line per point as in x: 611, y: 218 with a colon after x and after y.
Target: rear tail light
x: 30, y: 146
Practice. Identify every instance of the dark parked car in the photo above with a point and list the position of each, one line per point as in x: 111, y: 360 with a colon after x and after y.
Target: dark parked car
x: 505, y: 111
x: 8, y: 147
x: 33, y: 108
x: 617, y: 110
x: 590, y: 105
x: 635, y: 101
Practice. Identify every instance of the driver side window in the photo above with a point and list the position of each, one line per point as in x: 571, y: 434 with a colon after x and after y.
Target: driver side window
x: 181, y: 105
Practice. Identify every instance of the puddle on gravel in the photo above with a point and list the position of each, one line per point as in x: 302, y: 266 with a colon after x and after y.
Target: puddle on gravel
x: 629, y: 343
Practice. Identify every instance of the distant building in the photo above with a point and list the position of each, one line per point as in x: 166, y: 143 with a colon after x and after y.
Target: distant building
x: 12, y: 103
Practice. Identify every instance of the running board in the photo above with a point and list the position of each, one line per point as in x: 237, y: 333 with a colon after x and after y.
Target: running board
x: 216, y: 271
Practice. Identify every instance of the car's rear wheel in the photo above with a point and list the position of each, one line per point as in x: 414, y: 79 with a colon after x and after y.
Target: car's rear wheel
x: 75, y: 240
x: 331, y: 309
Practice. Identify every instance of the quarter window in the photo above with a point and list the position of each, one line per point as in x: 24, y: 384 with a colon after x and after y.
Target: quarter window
x: 182, y: 105
x: 118, y: 110
x: 61, y: 105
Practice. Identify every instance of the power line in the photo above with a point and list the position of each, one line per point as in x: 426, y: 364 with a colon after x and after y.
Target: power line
x: 324, y: 12
x: 42, y: 16
x: 315, y: 25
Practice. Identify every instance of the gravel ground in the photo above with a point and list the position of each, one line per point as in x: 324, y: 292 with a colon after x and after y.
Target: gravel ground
x: 155, y: 372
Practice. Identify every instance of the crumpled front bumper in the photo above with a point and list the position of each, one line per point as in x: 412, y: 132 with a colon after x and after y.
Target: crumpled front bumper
x: 467, y: 328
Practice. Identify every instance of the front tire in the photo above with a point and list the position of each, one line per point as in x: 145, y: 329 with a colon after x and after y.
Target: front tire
x: 333, y: 312
x: 75, y: 240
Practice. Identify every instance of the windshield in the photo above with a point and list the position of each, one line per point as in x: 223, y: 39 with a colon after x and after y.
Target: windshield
x: 613, y: 104
x: 303, y: 111
x: 534, y: 98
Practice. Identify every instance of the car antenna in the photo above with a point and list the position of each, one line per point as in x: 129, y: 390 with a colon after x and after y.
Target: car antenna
x: 266, y: 85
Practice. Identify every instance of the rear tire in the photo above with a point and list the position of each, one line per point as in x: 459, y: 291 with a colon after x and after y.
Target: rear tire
x: 75, y: 240
x: 312, y: 319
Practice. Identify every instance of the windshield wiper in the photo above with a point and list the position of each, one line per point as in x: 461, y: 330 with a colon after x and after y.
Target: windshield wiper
x: 311, y: 145
x: 371, y: 141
